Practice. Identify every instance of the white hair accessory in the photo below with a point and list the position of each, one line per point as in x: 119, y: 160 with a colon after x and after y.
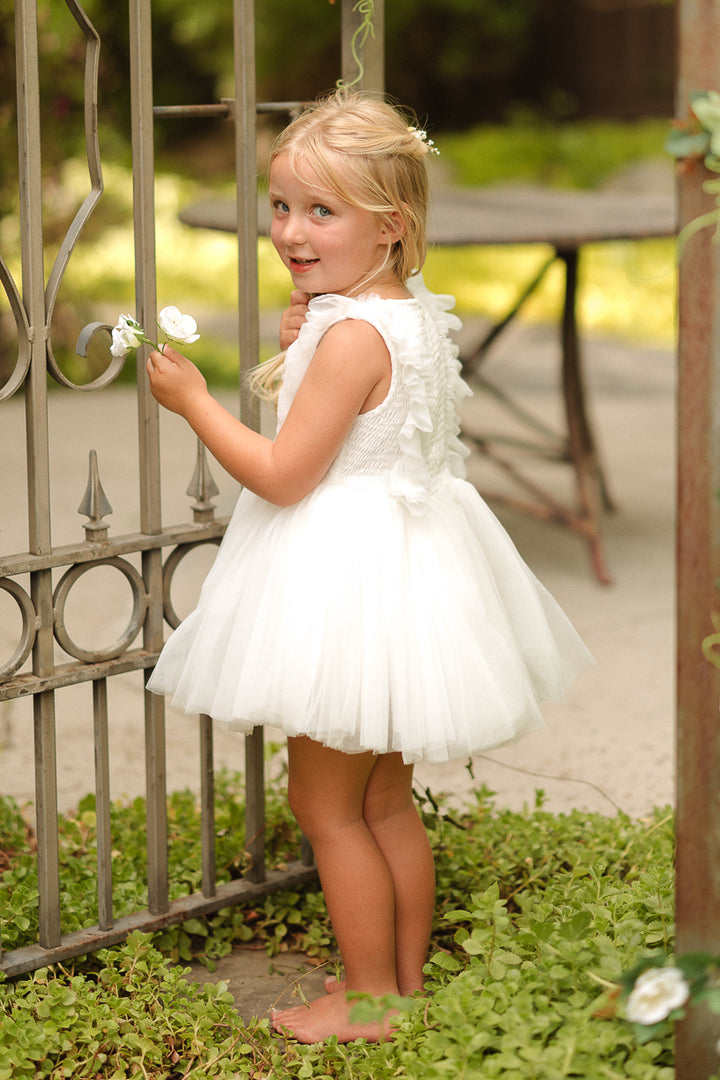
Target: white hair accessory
x: 422, y: 135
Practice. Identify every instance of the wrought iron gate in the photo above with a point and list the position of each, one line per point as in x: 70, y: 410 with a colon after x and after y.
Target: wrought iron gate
x: 40, y: 579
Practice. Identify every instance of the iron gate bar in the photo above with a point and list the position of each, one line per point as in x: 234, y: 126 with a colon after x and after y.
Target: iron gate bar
x: 224, y: 109
x: 149, y: 435
x: 207, y: 807
x: 90, y: 551
x: 245, y: 120
x: 102, y: 803
x: 92, y: 938
x: 39, y: 538
x: 32, y: 315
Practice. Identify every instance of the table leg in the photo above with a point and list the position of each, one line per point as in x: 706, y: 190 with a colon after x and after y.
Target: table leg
x: 575, y: 447
x: 592, y: 489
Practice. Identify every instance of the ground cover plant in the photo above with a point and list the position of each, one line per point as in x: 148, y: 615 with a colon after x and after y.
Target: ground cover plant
x: 537, y: 917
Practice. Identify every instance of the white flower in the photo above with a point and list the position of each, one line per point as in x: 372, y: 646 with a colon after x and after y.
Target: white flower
x: 656, y: 993
x: 177, y: 326
x: 127, y: 335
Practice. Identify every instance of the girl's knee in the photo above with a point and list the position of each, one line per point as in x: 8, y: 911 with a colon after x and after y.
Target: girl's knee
x: 302, y: 805
x: 326, y: 787
x: 378, y: 811
x: 316, y: 814
x: 389, y: 790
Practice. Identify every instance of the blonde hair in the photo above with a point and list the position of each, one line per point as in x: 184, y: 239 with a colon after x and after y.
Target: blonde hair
x: 367, y: 153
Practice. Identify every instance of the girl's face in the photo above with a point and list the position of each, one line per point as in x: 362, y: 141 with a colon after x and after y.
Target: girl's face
x: 329, y: 246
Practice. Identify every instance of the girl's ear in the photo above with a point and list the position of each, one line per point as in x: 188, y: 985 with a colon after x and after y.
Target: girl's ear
x: 393, y: 227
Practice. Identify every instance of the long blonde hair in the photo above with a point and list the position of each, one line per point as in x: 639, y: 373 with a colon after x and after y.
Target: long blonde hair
x: 370, y: 155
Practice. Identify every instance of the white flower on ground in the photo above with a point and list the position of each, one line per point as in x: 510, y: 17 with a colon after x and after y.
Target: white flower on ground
x: 657, y: 992
x: 177, y: 326
x: 127, y: 335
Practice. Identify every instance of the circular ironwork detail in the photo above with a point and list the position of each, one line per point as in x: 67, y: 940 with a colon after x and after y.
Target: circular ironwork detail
x: 140, y: 603
x: 29, y: 627
x: 171, y: 564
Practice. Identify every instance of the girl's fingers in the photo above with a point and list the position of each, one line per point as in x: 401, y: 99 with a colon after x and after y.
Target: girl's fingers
x: 163, y: 361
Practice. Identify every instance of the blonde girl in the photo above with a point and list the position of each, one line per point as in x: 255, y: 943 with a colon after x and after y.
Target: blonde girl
x: 365, y: 600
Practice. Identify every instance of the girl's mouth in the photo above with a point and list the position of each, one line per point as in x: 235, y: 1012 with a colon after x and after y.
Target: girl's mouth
x: 301, y: 265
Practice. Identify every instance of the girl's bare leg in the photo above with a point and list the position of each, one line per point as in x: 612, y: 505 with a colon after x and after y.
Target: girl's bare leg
x: 327, y: 792
x: 390, y: 813
x: 395, y: 824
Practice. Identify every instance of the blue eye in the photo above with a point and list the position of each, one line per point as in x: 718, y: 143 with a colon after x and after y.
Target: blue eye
x: 280, y: 207
x: 322, y: 212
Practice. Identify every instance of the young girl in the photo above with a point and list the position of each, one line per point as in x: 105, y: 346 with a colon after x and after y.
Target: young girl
x: 364, y: 598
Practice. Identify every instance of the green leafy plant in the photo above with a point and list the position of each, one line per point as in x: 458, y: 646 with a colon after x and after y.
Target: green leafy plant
x: 537, y: 918
x: 653, y: 994
x: 698, y: 138
x: 134, y: 1015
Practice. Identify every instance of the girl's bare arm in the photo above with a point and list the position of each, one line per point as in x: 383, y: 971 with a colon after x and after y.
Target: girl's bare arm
x: 350, y: 371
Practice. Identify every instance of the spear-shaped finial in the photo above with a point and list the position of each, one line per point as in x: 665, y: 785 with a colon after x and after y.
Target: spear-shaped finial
x: 95, y: 504
x: 202, y: 488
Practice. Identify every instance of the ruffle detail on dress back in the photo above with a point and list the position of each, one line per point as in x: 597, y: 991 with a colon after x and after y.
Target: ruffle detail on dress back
x: 430, y: 443
x: 425, y: 364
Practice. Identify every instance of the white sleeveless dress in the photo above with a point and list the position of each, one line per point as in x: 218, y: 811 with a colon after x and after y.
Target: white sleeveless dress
x: 388, y: 610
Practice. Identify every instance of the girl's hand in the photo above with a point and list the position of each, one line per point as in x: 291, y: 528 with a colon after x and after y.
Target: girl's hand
x: 293, y: 317
x: 175, y: 381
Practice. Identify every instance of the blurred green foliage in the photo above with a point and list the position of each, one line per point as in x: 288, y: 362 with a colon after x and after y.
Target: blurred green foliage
x: 433, y: 51
x: 579, y: 154
x: 455, y: 60
x: 628, y: 288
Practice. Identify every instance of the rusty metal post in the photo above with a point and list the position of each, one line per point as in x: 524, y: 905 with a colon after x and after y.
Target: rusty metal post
x: 698, y: 556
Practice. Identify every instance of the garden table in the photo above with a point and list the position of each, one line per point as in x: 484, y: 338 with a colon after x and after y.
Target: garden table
x: 565, y: 221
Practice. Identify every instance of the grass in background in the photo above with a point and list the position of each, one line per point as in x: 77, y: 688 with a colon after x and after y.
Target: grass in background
x: 574, y: 155
x: 628, y: 289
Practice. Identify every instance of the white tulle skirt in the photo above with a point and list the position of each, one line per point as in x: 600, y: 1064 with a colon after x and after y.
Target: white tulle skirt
x: 350, y: 619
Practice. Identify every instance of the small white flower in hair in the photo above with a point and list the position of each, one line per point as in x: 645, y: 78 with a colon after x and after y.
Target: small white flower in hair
x: 422, y: 135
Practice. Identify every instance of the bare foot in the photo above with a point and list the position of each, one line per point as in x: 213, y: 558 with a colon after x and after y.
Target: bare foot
x: 333, y: 985
x: 323, y: 1018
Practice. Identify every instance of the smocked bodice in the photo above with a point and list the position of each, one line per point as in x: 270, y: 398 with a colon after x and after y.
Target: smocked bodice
x: 410, y: 441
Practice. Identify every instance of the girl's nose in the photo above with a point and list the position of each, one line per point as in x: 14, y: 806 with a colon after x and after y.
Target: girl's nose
x: 293, y: 229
